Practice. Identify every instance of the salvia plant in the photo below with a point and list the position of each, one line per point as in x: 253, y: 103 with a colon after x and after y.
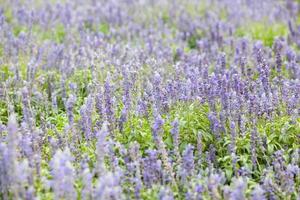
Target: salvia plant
x: 150, y: 99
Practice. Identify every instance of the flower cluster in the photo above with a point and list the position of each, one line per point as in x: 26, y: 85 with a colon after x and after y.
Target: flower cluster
x: 124, y: 99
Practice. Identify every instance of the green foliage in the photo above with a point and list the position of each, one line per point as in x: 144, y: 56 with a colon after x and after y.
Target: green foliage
x: 104, y: 28
x: 59, y: 33
x: 3, y: 112
x: 1, y: 50
x: 192, y: 42
x: 192, y: 118
x: 59, y: 120
x: 281, y: 134
x: 18, y: 29
x: 5, y: 72
x: 83, y: 79
x: 165, y: 17
x: 8, y: 15
x: 137, y: 129
x: 262, y: 31
x: 192, y: 39
x: 56, y: 34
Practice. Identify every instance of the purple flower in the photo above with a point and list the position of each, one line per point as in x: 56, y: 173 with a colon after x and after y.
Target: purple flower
x: 214, y: 181
x: 63, y: 174
x: 278, y: 46
x: 160, y: 145
x: 101, y: 148
x: 108, y: 102
x: 165, y: 194
x: 69, y: 107
x: 108, y: 186
x: 152, y: 168
x: 26, y: 107
x: 199, y: 189
x: 200, y: 149
x: 86, y: 117
x: 157, y: 126
x: 253, y: 141
x: 232, y: 146
x: 214, y: 124
x: 188, y: 164
x: 258, y: 193
x: 123, y: 118
x: 175, y: 136
x: 238, y: 192
x: 9, y: 168
x: 87, y: 180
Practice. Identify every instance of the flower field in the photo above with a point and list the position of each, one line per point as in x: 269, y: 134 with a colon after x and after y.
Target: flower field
x: 149, y: 99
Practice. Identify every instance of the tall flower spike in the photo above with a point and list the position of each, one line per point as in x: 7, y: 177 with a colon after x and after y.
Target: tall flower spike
x: 258, y: 193
x: 86, y: 118
x: 63, y: 174
x: 114, y: 160
x: 165, y: 194
x: 233, y: 146
x: 278, y: 46
x: 238, y: 192
x: 99, y: 106
x: 101, y: 148
x: 87, y: 180
x: 160, y: 145
x: 152, y: 169
x: 253, y: 141
x: 188, y: 164
x: 214, y: 181
x: 26, y: 107
x: 214, y: 124
x: 122, y: 119
x: 136, y: 160
x: 175, y: 136
x: 69, y: 107
x: 8, y: 160
x: 200, y: 149
x: 109, y: 187
x: 108, y: 102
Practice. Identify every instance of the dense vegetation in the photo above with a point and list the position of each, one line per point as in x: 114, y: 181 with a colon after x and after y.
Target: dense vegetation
x: 167, y: 99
